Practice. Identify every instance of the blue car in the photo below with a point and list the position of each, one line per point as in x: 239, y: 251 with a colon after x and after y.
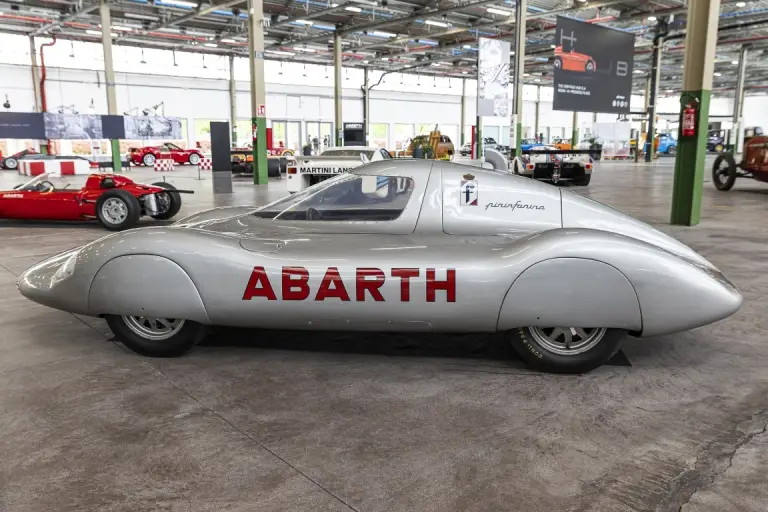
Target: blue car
x: 667, y: 144
x: 526, y: 144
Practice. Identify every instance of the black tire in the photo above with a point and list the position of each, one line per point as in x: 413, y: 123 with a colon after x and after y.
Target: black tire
x: 590, y: 67
x: 175, y: 199
x: 194, y: 159
x: 724, y: 172
x: 583, y: 182
x: 672, y: 150
x: 132, y: 210
x: 11, y: 163
x: 148, y: 159
x: 539, y: 356
x: 558, y: 63
x: 189, y: 335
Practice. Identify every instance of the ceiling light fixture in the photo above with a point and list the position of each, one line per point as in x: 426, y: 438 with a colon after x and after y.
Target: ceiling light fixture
x: 308, y: 50
x: 501, y: 12
x: 381, y: 33
x: 229, y: 41
x: 1, y: 13
x: 179, y: 3
x: 639, y: 71
x: 280, y: 52
x: 651, y: 18
x: 467, y: 47
x: 365, y: 62
x: 735, y: 62
x: 553, y: 46
x: 465, y: 72
x: 353, y: 9
x: 211, y: 45
x: 121, y: 29
x: 741, y: 4
x: 537, y: 80
x: 436, y: 23
x: 308, y: 23
x: 717, y: 74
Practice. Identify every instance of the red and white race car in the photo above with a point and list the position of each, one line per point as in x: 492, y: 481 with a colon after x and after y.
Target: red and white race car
x: 12, y: 161
x: 148, y: 154
x: 114, y: 200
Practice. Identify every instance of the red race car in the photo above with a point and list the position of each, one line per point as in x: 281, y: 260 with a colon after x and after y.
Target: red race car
x: 12, y: 161
x: 147, y: 155
x: 114, y: 200
x: 573, y: 61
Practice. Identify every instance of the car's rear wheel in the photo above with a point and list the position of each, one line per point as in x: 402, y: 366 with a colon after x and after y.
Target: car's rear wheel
x: 11, y: 163
x: 171, y: 200
x: 148, y: 160
x: 558, y: 63
x: 583, y: 182
x: 590, y: 67
x: 118, y: 210
x: 567, y: 349
x: 724, y: 172
x: 194, y: 159
x: 672, y: 150
x: 156, y: 337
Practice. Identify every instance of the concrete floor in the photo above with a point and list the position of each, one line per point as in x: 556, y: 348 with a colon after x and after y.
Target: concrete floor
x: 263, y: 421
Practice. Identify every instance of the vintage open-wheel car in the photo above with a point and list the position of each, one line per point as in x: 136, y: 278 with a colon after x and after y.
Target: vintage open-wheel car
x: 753, y: 164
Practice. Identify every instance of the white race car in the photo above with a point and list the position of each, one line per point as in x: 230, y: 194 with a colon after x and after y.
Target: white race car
x: 305, y: 171
x: 547, y: 163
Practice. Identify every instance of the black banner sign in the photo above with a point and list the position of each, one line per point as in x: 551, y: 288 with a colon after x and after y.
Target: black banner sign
x: 21, y: 125
x: 593, y: 67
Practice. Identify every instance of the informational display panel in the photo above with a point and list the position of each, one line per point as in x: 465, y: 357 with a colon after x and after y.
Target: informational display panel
x: 493, y: 78
x: 593, y: 67
x: 55, y: 126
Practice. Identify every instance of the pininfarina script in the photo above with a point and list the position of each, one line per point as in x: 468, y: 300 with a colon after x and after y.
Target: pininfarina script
x: 514, y: 206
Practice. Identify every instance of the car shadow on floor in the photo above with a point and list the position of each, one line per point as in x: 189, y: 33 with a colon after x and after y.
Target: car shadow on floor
x: 488, y: 347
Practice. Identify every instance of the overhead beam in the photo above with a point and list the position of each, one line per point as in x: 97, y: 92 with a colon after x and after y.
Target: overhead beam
x: 197, y: 13
x: 66, y: 19
x: 311, y: 15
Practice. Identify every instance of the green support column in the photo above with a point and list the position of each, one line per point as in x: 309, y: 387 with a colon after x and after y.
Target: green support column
x: 536, y: 115
x: 700, y: 41
x: 258, y: 92
x: 738, y: 102
x: 337, y: 89
x: 232, y: 101
x: 575, y: 130
x: 517, y: 118
x: 463, y: 109
x: 109, y: 77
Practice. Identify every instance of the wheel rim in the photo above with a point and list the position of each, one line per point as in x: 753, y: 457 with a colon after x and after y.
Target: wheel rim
x: 11, y: 163
x: 557, y: 63
x: 114, y: 210
x: 155, y: 329
x: 723, y: 170
x: 194, y: 159
x: 567, y: 341
x: 149, y: 159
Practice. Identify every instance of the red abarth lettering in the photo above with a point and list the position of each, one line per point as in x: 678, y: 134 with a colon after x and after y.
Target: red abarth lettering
x: 405, y: 275
x: 295, y: 288
x: 371, y: 285
x: 449, y: 285
x: 259, y: 285
x: 339, y: 291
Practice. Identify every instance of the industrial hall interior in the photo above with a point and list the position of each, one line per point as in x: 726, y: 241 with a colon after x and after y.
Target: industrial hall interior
x: 383, y: 255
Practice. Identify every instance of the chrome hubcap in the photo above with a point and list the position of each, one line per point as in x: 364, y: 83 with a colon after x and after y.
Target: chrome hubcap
x: 114, y: 210
x: 155, y: 329
x: 567, y: 341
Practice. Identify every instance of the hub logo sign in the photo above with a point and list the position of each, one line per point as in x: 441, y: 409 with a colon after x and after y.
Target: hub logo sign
x: 592, y: 67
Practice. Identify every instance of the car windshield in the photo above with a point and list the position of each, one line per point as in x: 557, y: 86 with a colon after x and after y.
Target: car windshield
x: 346, y: 197
x: 347, y: 152
x: 43, y: 181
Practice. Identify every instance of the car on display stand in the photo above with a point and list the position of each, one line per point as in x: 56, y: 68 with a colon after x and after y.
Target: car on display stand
x: 305, y: 171
x: 548, y: 163
x: 667, y: 144
x: 114, y: 200
x: 753, y: 164
x: 148, y: 154
x: 11, y: 162
x: 398, y: 245
x: 526, y: 144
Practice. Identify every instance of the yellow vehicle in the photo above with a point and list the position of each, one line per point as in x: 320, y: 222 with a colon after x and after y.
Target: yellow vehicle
x: 441, y: 145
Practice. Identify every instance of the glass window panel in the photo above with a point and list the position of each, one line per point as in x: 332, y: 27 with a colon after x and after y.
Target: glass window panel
x: 379, y: 135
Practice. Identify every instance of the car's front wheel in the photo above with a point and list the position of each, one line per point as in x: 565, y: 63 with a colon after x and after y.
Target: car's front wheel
x: 194, y: 159
x: 118, y: 210
x: 148, y: 160
x: 567, y: 349
x: 156, y: 337
x: 672, y: 150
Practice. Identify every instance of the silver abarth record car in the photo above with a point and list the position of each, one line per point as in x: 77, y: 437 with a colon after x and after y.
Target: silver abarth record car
x: 398, y: 245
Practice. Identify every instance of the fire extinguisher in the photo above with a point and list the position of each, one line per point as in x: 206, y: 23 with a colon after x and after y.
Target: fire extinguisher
x: 689, y: 120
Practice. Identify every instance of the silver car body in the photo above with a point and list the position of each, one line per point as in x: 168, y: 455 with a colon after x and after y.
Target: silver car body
x: 457, y: 248
x: 525, y: 164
